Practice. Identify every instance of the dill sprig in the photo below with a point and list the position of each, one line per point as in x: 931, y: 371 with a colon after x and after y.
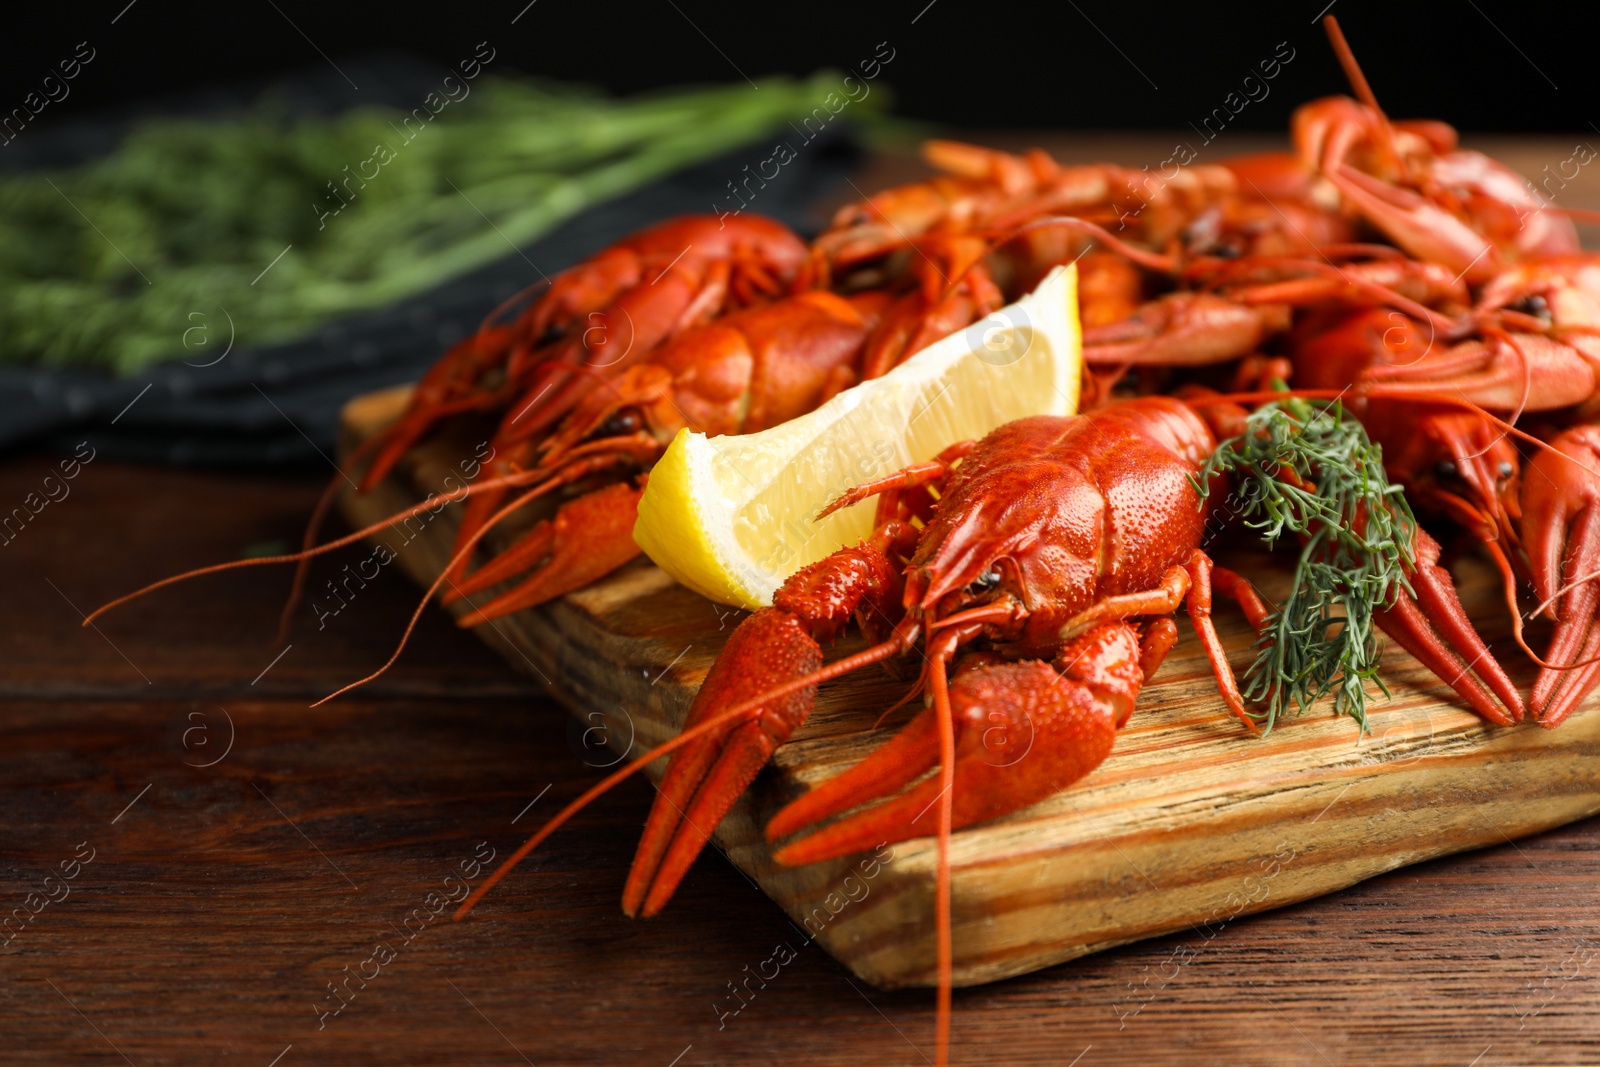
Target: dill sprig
x: 1308, y: 469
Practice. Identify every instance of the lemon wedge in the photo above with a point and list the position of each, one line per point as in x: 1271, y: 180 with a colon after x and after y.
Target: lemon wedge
x: 732, y: 517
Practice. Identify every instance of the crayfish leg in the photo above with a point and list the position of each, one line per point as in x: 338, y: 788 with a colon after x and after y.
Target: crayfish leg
x: 929, y: 472
x: 1194, y: 582
x: 1158, y: 639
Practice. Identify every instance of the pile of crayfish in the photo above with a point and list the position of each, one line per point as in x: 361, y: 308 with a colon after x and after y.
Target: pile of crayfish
x: 1434, y: 292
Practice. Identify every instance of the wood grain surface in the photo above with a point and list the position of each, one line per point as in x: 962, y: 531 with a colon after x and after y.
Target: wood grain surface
x: 216, y: 908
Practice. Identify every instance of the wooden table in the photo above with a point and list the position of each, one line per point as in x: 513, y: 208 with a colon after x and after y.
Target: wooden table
x: 220, y: 901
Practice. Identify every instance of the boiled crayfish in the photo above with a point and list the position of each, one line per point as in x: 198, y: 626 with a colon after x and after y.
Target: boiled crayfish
x: 1036, y: 571
x: 738, y: 360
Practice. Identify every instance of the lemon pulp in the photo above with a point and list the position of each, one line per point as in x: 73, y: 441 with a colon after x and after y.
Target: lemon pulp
x: 732, y: 517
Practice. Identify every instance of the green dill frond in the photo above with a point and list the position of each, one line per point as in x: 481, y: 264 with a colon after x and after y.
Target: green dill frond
x: 1308, y: 469
x: 379, y: 204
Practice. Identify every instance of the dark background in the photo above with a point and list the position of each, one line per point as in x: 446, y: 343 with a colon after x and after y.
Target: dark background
x: 1480, y: 64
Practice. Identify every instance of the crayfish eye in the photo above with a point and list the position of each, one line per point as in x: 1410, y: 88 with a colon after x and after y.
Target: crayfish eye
x: 1204, y: 234
x: 1505, y: 469
x: 621, y: 423
x: 1534, y: 305
x: 1444, y: 469
x: 985, y: 581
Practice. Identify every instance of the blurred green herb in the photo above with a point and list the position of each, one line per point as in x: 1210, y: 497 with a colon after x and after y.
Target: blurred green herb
x: 102, y: 266
x: 1357, y: 535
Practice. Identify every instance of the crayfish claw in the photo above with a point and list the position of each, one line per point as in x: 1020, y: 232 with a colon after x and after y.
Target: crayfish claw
x: 589, y: 537
x: 1433, y: 627
x: 1023, y: 732
x: 705, y: 778
x: 1561, y: 516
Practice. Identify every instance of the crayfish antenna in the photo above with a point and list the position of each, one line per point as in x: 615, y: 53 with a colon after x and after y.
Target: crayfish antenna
x: 319, y: 515
x: 1153, y: 261
x: 431, y: 504
x: 295, y: 557
x: 1518, y: 621
x: 464, y: 551
x: 302, y: 570
x: 1067, y: 712
x: 694, y: 733
x: 702, y: 783
x: 1577, y: 213
x: 1359, y: 84
x: 587, y: 538
x: 1352, y: 69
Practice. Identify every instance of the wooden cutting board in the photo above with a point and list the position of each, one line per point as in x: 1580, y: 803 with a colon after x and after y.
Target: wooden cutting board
x: 1190, y: 823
